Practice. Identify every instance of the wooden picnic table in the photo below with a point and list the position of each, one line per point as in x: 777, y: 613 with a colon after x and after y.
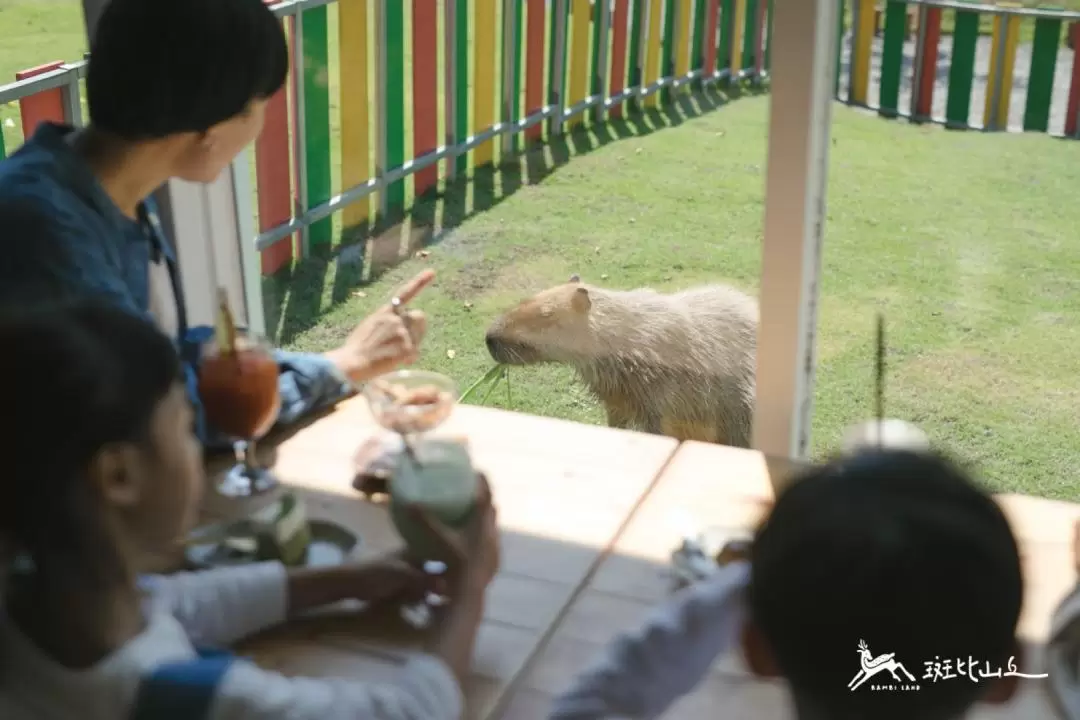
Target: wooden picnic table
x: 563, y: 490
x: 711, y: 485
x: 589, y: 517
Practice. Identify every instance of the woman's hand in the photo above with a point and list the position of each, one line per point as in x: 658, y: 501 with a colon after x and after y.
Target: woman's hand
x: 474, y: 560
x: 472, y: 553
x: 386, y: 338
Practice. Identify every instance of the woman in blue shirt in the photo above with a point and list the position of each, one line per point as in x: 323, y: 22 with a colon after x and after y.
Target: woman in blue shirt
x: 175, y: 90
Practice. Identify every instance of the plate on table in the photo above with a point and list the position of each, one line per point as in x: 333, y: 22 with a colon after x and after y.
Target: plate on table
x: 237, y: 544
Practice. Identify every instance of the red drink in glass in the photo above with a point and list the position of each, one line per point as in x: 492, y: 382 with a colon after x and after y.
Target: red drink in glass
x: 239, y: 393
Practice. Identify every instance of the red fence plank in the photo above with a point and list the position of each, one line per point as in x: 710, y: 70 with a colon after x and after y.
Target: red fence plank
x: 928, y: 72
x: 425, y: 72
x: 1072, y: 115
x: 47, y: 106
x: 272, y: 173
x: 620, y: 20
x: 534, y: 64
x: 712, y: 18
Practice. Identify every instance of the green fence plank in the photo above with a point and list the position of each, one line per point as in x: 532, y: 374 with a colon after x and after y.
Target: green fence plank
x: 519, y: 65
x: 317, y: 119
x: 697, y: 53
x: 461, y: 80
x: 634, y: 60
x: 395, y: 101
x: 892, y: 57
x: 596, y: 76
x: 768, y: 33
x: 962, y: 70
x: 723, y: 51
x: 750, y: 34
x: 1044, y: 52
x: 3, y: 150
x: 558, y: 85
x: 839, y: 45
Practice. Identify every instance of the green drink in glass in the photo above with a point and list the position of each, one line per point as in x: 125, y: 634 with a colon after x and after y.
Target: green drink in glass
x: 432, y: 473
x: 437, y: 476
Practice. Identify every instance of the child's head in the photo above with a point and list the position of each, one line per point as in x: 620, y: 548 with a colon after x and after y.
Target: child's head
x: 197, y: 72
x: 900, y: 550
x: 102, y: 471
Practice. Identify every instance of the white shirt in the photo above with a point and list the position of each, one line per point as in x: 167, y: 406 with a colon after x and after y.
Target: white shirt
x: 217, y: 608
x: 643, y: 673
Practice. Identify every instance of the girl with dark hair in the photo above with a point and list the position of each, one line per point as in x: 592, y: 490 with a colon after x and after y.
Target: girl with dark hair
x: 174, y: 90
x: 102, y: 480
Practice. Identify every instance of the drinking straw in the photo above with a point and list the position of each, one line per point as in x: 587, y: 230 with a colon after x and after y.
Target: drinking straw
x: 879, y: 398
x: 226, y: 328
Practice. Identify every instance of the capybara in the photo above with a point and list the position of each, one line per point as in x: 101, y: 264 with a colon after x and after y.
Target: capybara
x: 681, y: 365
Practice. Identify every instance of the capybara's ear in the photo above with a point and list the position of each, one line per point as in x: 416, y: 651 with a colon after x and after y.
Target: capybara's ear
x: 581, y: 300
x: 575, y: 278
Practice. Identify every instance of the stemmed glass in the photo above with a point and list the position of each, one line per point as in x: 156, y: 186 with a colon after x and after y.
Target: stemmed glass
x: 435, y: 474
x: 238, y: 386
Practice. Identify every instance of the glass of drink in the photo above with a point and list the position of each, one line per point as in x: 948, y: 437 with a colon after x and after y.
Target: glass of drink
x: 433, y: 473
x: 238, y: 386
x: 437, y: 476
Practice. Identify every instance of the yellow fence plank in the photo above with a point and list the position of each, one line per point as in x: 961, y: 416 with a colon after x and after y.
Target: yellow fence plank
x: 1007, y: 31
x: 683, y: 37
x: 652, y: 49
x: 355, y: 105
x: 581, y: 27
x: 863, y: 44
x: 738, y: 29
x: 484, y: 35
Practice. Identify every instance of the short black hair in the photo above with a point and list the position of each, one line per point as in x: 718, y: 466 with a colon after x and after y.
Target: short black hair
x: 901, y: 550
x: 80, y: 376
x: 161, y: 67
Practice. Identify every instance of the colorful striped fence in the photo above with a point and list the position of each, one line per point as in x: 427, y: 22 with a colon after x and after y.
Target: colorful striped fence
x: 431, y: 89
x: 884, y: 33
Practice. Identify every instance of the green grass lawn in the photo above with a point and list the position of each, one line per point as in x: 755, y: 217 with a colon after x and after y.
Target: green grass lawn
x: 966, y: 241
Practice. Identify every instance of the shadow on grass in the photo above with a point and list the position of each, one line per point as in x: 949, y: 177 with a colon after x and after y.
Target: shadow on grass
x: 293, y: 297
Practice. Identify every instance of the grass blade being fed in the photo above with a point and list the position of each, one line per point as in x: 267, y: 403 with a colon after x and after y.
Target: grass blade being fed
x: 490, y: 378
x: 490, y: 389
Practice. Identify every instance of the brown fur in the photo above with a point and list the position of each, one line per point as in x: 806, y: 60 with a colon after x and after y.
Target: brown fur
x: 679, y: 365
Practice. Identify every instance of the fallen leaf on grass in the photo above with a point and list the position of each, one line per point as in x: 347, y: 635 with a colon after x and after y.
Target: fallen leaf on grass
x: 422, y: 253
x: 359, y: 293
x: 451, y: 354
x: 468, y: 306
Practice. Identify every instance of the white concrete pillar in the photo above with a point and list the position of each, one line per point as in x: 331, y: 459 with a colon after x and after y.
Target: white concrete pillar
x: 804, y: 39
x: 212, y: 228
